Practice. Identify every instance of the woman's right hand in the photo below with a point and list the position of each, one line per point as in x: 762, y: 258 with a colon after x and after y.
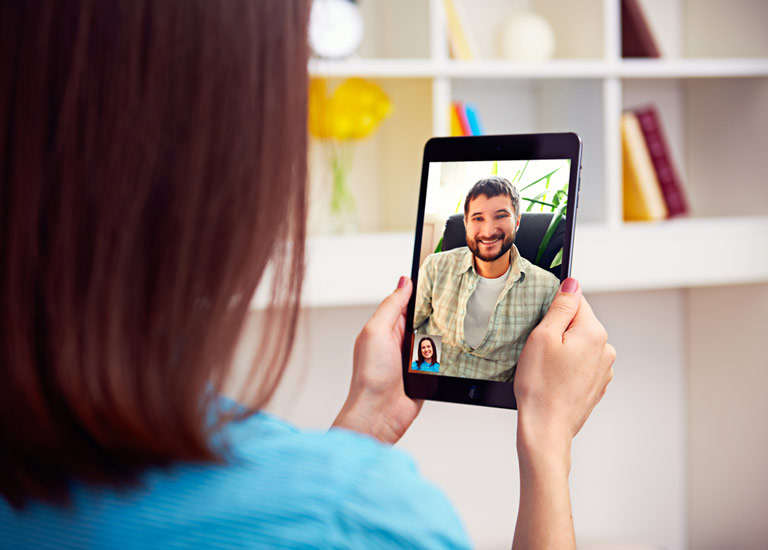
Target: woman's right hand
x: 564, y: 368
x: 562, y: 373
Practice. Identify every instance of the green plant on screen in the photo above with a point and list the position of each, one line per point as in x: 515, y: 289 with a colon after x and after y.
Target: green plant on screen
x: 557, y: 203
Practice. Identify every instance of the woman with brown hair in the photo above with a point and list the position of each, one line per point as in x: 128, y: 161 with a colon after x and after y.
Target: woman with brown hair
x: 153, y: 164
x: 426, y: 356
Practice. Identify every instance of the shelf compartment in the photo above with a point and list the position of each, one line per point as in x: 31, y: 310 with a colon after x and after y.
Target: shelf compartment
x: 385, y: 174
x: 395, y: 28
x: 573, y: 24
x: 736, y: 28
x: 716, y: 131
x: 727, y: 141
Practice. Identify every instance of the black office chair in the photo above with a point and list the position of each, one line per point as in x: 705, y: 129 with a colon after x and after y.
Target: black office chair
x: 533, y: 225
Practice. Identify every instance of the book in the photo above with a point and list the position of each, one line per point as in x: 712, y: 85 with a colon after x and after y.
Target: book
x: 636, y: 37
x: 643, y: 200
x: 459, y: 40
x: 455, y: 122
x: 656, y: 142
x: 474, y: 119
x: 461, y: 114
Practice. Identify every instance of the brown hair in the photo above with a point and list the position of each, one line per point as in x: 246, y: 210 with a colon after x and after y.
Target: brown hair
x: 153, y: 162
x: 493, y: 187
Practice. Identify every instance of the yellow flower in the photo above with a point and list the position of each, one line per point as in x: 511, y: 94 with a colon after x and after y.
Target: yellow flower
x: 318, y: 108
x: 353, y: 111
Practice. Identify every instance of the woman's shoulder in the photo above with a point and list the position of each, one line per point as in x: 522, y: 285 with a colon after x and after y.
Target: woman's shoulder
x: 278, y: 486
x: 265, y: 439
x: 370, y: 494
x: 346, y: 489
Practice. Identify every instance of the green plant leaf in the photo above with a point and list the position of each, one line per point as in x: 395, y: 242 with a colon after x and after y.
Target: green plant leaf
x: 439, y: 247
x: 557, y: 217
x: 552, y: 206
x: 547, y: 176
x: 536, y: 198
x: 558, y: 259
x: 559, y: 195
x: 520, y: 173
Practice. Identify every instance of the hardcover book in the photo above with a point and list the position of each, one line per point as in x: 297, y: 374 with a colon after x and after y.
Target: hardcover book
x: 459, y: 40
x: 656, y: 143
x: 636, y: 37
x: 643, y: 200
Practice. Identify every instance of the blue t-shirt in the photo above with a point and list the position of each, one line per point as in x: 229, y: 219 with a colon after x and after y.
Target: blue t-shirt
x: 428, y: 367
x: 281, y: 488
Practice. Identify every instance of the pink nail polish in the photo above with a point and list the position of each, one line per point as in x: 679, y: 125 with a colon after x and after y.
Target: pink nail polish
x: 401, y: 282
x: 570, y: 285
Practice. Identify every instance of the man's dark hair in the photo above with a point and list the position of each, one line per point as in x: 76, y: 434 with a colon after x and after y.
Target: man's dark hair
x: 493, y: 187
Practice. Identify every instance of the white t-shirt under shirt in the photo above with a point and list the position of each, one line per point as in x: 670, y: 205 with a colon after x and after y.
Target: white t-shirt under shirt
x: 480, y: 306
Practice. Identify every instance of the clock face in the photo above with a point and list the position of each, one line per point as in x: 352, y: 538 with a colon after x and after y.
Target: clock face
x: 335, y: 28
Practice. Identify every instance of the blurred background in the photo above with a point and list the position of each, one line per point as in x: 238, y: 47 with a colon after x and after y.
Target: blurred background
x: 676, y: 454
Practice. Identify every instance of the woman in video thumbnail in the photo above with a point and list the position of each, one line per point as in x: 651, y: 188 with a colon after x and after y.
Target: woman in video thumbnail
x: 428, y: 360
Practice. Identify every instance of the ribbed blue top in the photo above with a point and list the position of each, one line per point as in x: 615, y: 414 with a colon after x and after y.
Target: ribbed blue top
x: 281, y: 488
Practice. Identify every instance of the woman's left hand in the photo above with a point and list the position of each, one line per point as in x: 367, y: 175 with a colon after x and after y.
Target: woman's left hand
x: 377, y: 404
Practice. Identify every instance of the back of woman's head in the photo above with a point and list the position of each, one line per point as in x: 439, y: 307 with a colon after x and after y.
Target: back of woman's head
x: 153, y: 162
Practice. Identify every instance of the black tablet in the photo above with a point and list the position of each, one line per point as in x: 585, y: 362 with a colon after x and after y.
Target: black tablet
x: 494, y: 236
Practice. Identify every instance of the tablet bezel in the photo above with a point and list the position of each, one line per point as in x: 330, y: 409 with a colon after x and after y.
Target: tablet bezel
x: 502, y: 147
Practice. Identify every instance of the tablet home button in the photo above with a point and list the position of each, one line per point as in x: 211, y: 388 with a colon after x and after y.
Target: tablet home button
x: 474, y: 392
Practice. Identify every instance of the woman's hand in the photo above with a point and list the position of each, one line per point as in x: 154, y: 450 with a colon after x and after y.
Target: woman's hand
x: 377, y: 404
x: 564, y: 368
x: 561, y: 375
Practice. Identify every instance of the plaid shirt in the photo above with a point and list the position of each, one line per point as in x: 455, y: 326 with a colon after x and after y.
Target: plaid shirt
x: 446, y: 282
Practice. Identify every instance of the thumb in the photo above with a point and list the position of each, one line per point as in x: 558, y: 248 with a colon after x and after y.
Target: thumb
x: 393, y: 306
x: 564, y: 306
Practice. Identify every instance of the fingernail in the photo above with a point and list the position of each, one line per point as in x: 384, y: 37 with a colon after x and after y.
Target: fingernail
x: 570, y: 285
x: 401, y: 282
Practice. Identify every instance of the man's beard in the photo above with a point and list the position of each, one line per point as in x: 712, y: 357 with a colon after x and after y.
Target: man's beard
x: 506, y: 245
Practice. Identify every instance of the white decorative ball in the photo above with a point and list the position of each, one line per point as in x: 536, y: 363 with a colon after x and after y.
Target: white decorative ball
x: 526, y: 36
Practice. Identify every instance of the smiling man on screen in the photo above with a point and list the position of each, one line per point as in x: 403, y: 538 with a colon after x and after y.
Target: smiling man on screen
x: 484, y: 299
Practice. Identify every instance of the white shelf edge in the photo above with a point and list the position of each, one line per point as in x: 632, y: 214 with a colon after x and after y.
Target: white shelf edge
x: 693, y: 68
x: 374, y: 68
x: 361, y: 270
x: 560, y: 68
x: 678, y: 253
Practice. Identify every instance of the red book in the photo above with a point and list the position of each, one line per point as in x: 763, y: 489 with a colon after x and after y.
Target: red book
x: 461, y: 113
x: 669, y: 182
x: 636, y: 37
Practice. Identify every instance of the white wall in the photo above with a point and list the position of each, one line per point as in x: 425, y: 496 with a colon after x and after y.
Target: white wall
x: 728, y: 411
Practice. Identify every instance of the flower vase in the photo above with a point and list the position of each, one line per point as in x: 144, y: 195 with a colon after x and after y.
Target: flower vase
x: 342, y: 203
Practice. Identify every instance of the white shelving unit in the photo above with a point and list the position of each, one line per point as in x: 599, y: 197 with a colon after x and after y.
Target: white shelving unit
x: 712, y: 96
x: 673, y: 456
x: 642, y: 257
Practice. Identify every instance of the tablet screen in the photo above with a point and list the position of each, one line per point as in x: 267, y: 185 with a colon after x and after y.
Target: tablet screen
x: 489, y: 264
